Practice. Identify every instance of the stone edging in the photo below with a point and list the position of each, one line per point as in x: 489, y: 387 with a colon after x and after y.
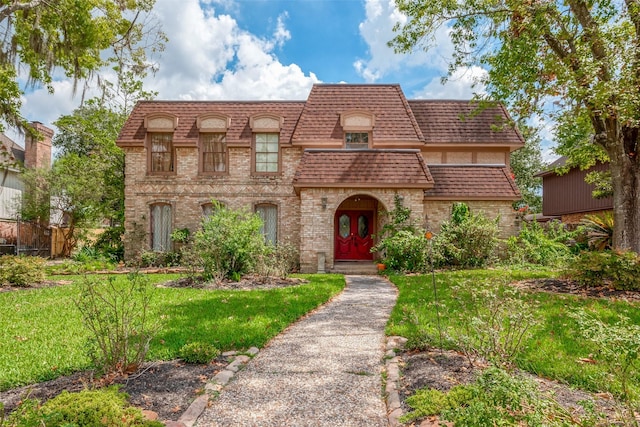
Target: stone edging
x: 394, y: 408
x: 213, y: 387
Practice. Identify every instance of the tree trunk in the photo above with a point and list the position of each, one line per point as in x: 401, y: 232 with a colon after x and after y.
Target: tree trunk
x: 625, y: 176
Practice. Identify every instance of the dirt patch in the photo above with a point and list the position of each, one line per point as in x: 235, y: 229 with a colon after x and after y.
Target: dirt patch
x: 564, y: 286
x: 249, y: 282
x: 167, y: 388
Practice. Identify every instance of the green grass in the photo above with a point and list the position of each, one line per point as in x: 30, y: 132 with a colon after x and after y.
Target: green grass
x: 42, y: 336
x: 554, y: 349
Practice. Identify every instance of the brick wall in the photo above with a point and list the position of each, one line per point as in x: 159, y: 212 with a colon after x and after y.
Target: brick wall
x: 437, y: 211
x: 574, y: 219
x: 186, y: 192
x: 37, y: 153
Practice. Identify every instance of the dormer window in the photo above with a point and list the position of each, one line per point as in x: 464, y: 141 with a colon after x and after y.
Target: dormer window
x: 161, y: 152
x: 358, y: 127
x: 356, y: 140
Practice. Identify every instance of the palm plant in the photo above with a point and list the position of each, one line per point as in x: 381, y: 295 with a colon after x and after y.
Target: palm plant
x: 599, y: 230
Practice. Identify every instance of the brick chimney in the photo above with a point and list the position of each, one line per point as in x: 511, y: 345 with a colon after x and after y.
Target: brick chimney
x: 37, y: 154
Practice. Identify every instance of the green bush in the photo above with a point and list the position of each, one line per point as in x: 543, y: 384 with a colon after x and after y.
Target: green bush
x: 620, y: 270
x: 110, y: 245
x: 21, y: 270
x: 466, y: 240
x: 115, y: 311
x: 89, y: 408
x: 540, y: 245
x: 278, y: 260
x: 401, y: 243
x: 229, y: 243
x: 198, y: 352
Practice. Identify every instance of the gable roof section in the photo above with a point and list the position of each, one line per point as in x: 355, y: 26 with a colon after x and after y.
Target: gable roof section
x: 472, y: 182
x: 10, y: 152
x: 363, y: 169
x: 458, y: 122
x: 239, y: 133
x: 320, y: 118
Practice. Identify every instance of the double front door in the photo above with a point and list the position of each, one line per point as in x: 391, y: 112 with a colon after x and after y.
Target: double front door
x: 353, y: 235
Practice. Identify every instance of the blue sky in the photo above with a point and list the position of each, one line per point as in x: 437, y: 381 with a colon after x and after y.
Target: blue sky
x: 277, y: 49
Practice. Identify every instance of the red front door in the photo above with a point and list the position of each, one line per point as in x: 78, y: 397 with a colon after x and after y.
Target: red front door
x: 353, y: 235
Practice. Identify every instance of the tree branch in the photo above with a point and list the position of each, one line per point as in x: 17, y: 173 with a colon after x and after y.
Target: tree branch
x: 592, y: 35
x: 9, y: 10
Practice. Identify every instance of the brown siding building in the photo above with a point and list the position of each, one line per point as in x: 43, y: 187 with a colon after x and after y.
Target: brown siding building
x: 317, y: 171
x: 568, y: 196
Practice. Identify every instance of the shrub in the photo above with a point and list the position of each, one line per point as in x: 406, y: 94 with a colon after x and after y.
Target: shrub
x: 540, y: 245
x: 496, y: 323
x: 599, y: 229
x: 620, y: 270
x: 109, y: 244
x: 21, y: 270
x: 103, y: 407
x: 401, y: 242
x: 618, y: 347
x: 115, y: 313
x: 278, y: 260
x: 467, y: 240
x: 229, y: 243
x: 198, y: 352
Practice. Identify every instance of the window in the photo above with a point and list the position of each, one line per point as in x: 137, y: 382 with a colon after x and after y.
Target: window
x: 356, y: 140
x: 213, y: 148
x: 269, y: 216
x: 161, y: 152
x: 161, y: 227
x: 266, y: 152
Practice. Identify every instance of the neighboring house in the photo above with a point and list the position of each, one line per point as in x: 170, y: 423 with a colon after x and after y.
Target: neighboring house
x: 320, y: 171
x: 568, y: 197
x: 36, y: 154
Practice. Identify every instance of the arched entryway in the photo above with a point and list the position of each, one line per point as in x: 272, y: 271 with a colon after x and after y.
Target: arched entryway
x: 354, y: 224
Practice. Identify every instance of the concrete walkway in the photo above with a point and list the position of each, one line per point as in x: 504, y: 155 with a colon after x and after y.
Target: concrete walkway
x: 322, y: 371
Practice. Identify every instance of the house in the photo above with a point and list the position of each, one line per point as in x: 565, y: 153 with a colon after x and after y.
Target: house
x: 318, y: 171
x: 35, y: 154
x: 567, y: 196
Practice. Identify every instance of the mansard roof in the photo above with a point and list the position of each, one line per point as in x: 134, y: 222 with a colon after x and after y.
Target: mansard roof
x: 468, y: 182
x: 362, y: 168
x: 395, y: 121
x: 463, y: 122
x: 239, y: 131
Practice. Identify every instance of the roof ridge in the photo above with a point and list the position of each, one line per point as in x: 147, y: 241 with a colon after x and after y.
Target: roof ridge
x: 412, y: 117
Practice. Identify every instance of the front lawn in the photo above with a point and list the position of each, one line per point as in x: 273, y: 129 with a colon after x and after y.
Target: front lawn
x: 42, y: 336
x: 555, y: 350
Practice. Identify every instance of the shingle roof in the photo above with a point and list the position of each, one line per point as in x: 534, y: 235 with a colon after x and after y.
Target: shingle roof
x: 320, y: 118
x: 13, y: 151
x: 458, y: 122
x: 133, y: 131
x: 472, y: 182
x: 362, y: 168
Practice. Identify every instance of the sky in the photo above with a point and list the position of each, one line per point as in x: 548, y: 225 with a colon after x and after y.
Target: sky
x: 277, y: 49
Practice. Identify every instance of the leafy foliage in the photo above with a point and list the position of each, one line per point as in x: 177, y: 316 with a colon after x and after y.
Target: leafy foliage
x: 198, y: 352
x: 400, y: 242
x: 103, y: 407
x: 620, y: 270
x: 229, y: 242
x: 574, y: 63
x: 76, y: 37
x: 525, y: 163
x: 21, y: 270
x: 599, y: 229
x: 278, y: 260
x: 543, y: 245
x: 116, y: 315
x: 467, y: 240
x: 618, y: 346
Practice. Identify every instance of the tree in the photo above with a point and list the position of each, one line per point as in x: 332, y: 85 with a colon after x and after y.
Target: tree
x: 75, y: 37
x: 525, y: 164
x: 576, y: 62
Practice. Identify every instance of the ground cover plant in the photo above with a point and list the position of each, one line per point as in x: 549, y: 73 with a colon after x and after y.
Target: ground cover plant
x: 42, y: 336
x: 555, y: 349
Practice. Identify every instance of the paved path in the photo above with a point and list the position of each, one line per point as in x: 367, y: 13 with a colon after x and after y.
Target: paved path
x: 322, y: 371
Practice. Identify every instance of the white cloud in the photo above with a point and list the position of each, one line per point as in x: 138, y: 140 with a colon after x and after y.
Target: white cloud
x: 377, y: 31
x: 208, y: 56
x: 213, y: 58
x: 462, y: 84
